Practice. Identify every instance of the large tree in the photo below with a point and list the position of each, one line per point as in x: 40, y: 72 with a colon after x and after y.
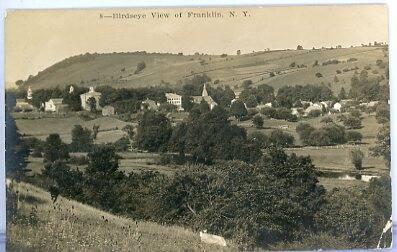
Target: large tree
x: 153, y: 132
x: 81, y: 139
x: 55, y: 149
x: 238, y: 109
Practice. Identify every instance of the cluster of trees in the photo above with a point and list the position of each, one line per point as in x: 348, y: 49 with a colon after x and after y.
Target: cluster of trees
x: 205, y: 137
x: 276, y: 138
x: 128, y: 100
x: 139, y: 67
x: 279, y: 113
x: 221, y: 199
x: 252, y: 96
x: 353, y: 120
x: 287, y: 96
x: 365, y: 88
x: 382, y: 149
x: 330, y: 62
x: 329, y: 134
x: 217, y: 197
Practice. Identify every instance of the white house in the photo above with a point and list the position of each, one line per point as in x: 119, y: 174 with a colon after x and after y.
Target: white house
x: 314, y: 106
x: 90, y: 94
x: 54, y: 105
x: 337, y: 107
x: 22, y: 105
x: 174, y: 99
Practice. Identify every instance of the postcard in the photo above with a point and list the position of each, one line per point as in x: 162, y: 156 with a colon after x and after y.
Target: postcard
x: 198, y: 128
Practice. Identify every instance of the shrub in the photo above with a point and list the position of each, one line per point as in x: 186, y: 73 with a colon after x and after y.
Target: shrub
x: 258, y: 121
x: 348, y: 215
x: 139, y: 67
x: 259, y: 139
x: 327, y: 120
x: 314, y: 113
x: 351, y: 60
x: 319, y: 137
x: 357, y: 158
x: 78, y: 160
x: 304, y: 130
x: 281, y: 139
x: 329, y: 62
x: 338, y: 71
x: 352, y: 122
x: 354, y: 136
x: 319, y: 75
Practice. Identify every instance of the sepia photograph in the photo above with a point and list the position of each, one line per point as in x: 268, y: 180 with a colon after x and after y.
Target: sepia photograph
x: 198, y: 128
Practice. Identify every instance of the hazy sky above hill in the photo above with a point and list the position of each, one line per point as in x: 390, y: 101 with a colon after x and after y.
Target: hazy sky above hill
x: 35, y: 40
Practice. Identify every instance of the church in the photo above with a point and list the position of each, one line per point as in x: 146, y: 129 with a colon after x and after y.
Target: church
x: 205, y: 97
x: 86, y: 96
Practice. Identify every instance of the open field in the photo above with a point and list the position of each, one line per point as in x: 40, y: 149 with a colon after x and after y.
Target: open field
x: 117, y: 69
x: 334, y: 158
x: 44, y: 226
x: 129, y: 162
x: 110, y: 129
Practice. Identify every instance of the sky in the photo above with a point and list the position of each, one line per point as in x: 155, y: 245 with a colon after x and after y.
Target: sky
x: 36, y: 39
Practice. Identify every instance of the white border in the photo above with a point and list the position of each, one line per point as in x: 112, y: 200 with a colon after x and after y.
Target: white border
x: 51, y: 4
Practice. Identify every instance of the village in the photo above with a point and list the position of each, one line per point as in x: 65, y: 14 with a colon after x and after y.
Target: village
x: 125, y: 149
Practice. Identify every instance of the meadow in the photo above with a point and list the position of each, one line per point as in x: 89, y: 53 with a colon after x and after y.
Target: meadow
x: 110, y: 129
x: 117, y: 69
x: 43, y: 225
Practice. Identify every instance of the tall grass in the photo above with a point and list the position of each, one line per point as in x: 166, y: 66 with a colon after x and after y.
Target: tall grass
x: 39, y: 224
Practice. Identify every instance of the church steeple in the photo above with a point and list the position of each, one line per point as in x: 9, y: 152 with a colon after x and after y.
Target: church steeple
x: 205, y: 93
x: 29, y: 93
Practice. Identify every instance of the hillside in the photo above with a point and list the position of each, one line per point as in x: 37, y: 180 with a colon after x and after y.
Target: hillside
x: 117, y: 69
x: 70, y: 225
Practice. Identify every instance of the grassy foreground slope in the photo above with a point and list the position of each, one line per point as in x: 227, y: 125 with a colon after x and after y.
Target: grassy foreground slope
x: 72, y: 226
x: 117, y: 69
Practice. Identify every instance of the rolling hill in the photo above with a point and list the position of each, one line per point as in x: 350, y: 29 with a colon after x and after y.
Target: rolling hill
x: 69, y: 225
x: 118, y: 69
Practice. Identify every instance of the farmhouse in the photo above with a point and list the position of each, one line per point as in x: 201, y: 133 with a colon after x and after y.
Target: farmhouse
x: 337, y: 107
x: 108, y: 111
x: 205, y: 97
x: 22, y: 105
x: 149, y: 105
x: 86, y: 97
x: 174, y: 99
x: 55, y: 105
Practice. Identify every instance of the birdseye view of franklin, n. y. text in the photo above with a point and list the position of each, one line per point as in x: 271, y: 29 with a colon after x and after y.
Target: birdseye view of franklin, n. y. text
x: 198, y: 129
